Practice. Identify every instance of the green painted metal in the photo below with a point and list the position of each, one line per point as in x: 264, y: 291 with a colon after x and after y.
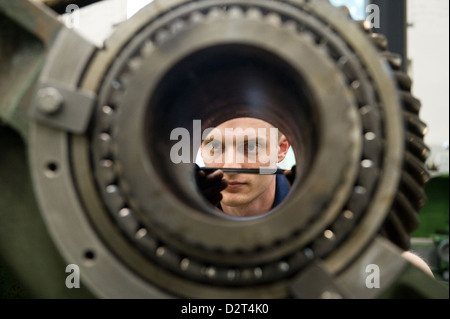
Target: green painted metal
x: 434, y: 217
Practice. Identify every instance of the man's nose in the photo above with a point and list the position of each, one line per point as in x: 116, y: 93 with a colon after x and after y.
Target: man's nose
x: 230, y: 159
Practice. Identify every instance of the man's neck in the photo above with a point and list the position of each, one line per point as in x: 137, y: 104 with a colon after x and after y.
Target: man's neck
x: 259, y: 206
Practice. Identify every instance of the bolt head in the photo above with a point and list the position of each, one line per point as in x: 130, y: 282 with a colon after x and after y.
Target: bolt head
x: 50, y: 100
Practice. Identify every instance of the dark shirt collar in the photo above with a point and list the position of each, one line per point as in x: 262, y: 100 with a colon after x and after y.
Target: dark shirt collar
x: 281, y: 190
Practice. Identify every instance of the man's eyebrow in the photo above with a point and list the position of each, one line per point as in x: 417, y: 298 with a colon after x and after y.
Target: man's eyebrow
x: 256, y: 138
x: 252, y: 139
x: 211, y: 139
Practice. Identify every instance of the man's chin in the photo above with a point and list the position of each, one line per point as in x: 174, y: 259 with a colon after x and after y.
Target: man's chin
x: 234, y: 202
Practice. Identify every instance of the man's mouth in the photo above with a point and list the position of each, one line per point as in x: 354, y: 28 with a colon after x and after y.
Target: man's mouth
x: 235, y: 185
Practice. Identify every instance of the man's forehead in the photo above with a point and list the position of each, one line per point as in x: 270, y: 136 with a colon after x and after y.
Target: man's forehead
x: 245, y: 123
x: 248, y: 133
x: 243, y: 126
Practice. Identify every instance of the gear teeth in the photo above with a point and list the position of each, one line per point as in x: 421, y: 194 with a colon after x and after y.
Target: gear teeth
x: 416, y: 169
x: 415, y: 125
x: 403, y: 80
x: 406, y: 212
x: 394, y: 60
x: 365, y: 26
x: 380, y: 41
x: 410, y: 103
x: 393, y: 229
x: 345, y: 10
x: 411, y: 197
x: 417, y: 146
x: 413, y: 190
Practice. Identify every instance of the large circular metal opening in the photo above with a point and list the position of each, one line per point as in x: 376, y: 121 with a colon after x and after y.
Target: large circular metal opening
x: 197, y: 81
x: 217, y: 84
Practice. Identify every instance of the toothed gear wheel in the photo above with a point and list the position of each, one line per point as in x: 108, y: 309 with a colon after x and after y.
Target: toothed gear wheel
x: 403, y: 219
x: 329, y: 84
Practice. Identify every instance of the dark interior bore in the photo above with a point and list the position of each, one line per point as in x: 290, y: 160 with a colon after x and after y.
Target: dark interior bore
x: 220, y: 83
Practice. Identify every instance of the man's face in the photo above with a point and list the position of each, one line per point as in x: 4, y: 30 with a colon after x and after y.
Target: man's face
x: 244, y: 143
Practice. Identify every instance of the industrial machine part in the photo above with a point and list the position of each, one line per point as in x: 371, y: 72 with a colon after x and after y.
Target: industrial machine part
x: 96, y: 123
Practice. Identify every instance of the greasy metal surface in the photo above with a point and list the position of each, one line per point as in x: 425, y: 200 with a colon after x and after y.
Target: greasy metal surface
x: 34, y: 17
x: 64, y: 212
x: 382, y: 254
x: 321, y: 283
x: 69, y: 53
x: 29, y: 258
x: 412, y: 283
x: 21, y: 59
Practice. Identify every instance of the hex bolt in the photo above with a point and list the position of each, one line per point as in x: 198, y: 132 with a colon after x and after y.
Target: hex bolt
x: 50, y: 101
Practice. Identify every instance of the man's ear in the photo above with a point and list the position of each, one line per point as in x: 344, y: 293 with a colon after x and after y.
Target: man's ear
x: 283, y: 148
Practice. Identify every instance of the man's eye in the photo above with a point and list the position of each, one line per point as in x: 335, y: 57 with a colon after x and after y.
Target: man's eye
x: 216, y: 145
x: 251, y: 147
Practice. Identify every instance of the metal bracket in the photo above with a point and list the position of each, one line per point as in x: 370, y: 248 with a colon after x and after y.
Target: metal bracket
x: 315, y: 282
x: 63, y: 107
x: 59, y: 102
